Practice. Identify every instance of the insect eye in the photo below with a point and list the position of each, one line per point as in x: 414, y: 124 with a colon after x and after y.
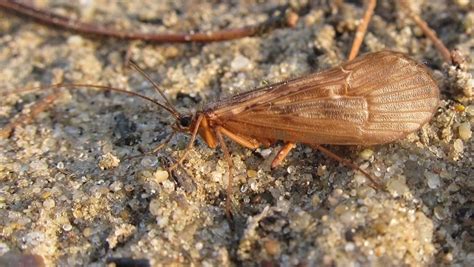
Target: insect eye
x: 185, y: 121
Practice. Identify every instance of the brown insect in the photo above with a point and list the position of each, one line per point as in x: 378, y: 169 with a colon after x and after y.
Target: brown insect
x: 375, y: 99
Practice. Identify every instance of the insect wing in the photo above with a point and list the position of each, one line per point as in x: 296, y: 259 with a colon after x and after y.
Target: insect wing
x: 374, y: 99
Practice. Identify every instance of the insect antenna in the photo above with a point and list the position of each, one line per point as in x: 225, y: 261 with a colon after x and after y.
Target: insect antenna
x: 80, y: 86
x: 157, y: 88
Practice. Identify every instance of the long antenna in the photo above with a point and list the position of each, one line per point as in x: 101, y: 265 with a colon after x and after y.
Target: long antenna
x: 157, y: 88
x: 77, y: 86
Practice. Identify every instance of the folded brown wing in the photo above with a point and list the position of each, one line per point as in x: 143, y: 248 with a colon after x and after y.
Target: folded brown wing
x: 374, y: 99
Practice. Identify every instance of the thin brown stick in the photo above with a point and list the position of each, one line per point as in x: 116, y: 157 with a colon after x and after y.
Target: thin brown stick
x: 362, y: 29
x: 431, y: 34
x: 228, y: 202
x: 27, y: 117
x: 52, y: 19
x: 348, y: 163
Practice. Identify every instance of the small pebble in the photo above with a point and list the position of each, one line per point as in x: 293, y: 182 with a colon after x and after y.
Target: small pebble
x: 265, y: 152
x: 459, y: 108
x: 38, y: 165
x: 253, y: 184
x: 463, y: 3
x: 381, y: 228
x: 251, y: 174
x: 464, y: 130
x: 272, y: 247
x: 291, y: 169
x: 146, y: 174
x: 470, y: 110
x: 397, y: 187
x: 60, y: 165
x: 129, y: 188
x: 292, y: 19
x: 155, y: 207
x: 347, y: 218
x: 240, y: 63
x: 360, y: 179
x: 448, y: 257
x: 366, y: 154
x: 440, y: 213
x: 49, y: 203
x: 458, y: 145
x: 322, y: 170
x: 87, y: 232
x: 379, y: 251
x: 148, y: 162
x: 199, y: 246
x: 75, y: 40
x: 4, y: 248
x: 161, y: 176
x: 108, y: 161
x: 349, y: 247
x: 116, y: 186
x: 315, y: 200
x: 432, y: 179
x: 67, y: 227
x: 168, y: 186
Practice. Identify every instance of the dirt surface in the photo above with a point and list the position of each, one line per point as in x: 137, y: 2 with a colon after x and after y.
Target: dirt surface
x: 69, y: 193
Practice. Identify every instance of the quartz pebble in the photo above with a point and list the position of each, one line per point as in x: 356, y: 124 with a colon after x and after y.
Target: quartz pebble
x: 366, y: 154
x: 432, y: 179
x: 470, y: 110
x: 240, y: 63
x: 108, y: 161
x: 160, y: 175
x: 464, y: 130
x: 458, y: 145
x: 49, y: 203
x: 155, y: 207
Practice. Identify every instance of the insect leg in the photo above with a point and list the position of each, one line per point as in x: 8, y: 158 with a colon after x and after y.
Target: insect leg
x: 244, y: 141
x: 228, y: 203
x: 190, y: 144
x: 156, y: 149
x: 362, y: 29
x: 348, y: 163
x: 160, y: 146
x: 282, y: 154
x: 180, y: 175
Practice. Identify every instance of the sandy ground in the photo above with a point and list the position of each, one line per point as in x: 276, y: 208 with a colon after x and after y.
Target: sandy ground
x: 64, y: 197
